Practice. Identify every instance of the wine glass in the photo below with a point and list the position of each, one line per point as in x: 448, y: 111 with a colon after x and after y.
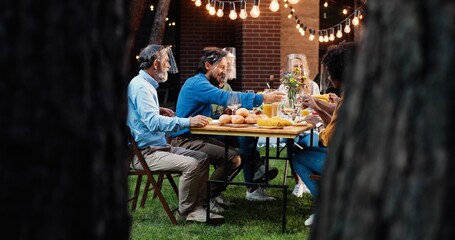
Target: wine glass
x: 287, y: 109
x: 233, y: 102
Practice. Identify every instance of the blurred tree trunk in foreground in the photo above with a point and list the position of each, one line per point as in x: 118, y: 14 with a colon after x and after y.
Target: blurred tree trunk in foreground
x: 390, y: 170
x: 62, y: 113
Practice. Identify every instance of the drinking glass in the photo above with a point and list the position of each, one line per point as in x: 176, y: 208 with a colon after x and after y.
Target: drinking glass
x: 234, y: 102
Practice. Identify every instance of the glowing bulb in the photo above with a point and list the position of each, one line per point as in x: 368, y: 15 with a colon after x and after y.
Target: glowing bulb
x: 198, y: 3
x: 321, y: 38
x: 233, y: 15
x: 326, y: 38
x: 293, y: 1
x: 255, y: 11
x: 212, y: 11
x: 220, y: 12
x: 331, y: 37
x: 152, y: 8
x: 311, y: 37
x: 355, y: 21
x: 339, y: 34
x: 289, y: 16
x: 207, y: 6
x: 274, y: 6
x: 347, y: 28
x: 243, y: 14
x: 297, y: 26
x: 302, y: 32
x: 345, y: 11
x: 326, y: 4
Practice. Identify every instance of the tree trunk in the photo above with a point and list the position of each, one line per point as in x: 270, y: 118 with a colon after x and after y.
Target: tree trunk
x: 159, y: 22
x: 63, y: 108
x: 389, y: 173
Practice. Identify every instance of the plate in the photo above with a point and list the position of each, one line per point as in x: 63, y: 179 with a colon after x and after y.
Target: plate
x: 269, y: 127
x: 235, y: 125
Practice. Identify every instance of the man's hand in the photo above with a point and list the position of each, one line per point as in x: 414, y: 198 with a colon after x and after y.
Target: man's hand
x: 272, y: 97
x: 166, y: 112
x: 199, y: 121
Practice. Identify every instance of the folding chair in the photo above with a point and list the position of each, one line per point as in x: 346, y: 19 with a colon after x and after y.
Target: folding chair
x: 156, y: 186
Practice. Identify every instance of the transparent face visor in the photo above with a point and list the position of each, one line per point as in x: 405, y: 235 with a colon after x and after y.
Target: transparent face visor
x: 173, y: 69
x: 231, y: 72
x: 217, y: 71
x: 297, y: 60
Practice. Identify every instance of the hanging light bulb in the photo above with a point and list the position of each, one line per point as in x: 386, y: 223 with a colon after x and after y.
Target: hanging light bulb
x: 290, y: 15
x: 208, y: 6
x: 321, y: 38
x: 243, y: 14
x: 293, y: 1
x: 255, y: 10
x: 326, y: 4
x: 274, y: 6
x: 332, y: 34
x: 212, y: 10
x: 311, y: 37
x: 345, y: 11
x: 198, y: 3
x: 339, y: 33
x: 355, y: 21
x: 220, y: 11
x: 297, y: 26
x: 326, y: 37
x: 347, y: 28
x: 233, y: 13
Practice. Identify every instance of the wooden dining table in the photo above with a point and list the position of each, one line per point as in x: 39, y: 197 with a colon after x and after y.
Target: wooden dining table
x: 252, y: 130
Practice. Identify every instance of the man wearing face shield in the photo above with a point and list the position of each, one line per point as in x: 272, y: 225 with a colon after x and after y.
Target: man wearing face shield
x: 148, y: 123
x: 196, y: 97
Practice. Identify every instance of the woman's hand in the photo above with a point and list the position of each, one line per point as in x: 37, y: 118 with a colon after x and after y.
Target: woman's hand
x: 333, y: 98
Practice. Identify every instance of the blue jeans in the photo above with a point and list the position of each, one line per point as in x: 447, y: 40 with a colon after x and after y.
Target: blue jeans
x: 309, y: 161
x: 251, y: 158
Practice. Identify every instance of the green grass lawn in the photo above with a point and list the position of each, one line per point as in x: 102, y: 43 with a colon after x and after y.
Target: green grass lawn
x: 245, y: 220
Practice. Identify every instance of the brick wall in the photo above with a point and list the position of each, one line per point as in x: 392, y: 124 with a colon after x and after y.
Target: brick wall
x: 258, y: 41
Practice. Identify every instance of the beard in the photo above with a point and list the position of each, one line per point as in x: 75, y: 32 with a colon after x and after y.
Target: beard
x: 213, y: 80
x: 162, y: 76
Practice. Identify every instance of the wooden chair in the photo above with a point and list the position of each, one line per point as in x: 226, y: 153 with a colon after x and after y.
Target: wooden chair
x: 156, y: 186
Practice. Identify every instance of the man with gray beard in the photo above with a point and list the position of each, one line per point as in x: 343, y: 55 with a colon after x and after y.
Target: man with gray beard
x: 148, y: 123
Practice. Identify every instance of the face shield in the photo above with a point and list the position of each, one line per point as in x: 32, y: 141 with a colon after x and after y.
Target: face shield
x: 298, y: 61
x: 153, y: 52
x: 231, y: 72
x: 217, y: 72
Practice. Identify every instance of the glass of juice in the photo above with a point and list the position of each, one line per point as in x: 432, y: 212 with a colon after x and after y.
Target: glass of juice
x: 267, y: 107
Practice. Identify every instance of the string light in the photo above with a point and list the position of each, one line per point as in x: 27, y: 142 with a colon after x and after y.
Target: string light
x: 293, y: 1
x: 332, y: 34
x: 220, y: 11
x: 243, y: 14
x: 345, y: 11
x: 254, y: 13
x: 339, y: 33
x: 347, y: 28
x: 311, y: 37
x: 326, y: 4
x: 233, y: 13
x: 274, y: 6
x: 355, y: 20
x: 198, y: 3
x: 152, y: 8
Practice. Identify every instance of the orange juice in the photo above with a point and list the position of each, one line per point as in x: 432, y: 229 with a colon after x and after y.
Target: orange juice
x: 304, y: 112
x: 267, y: 107
x: 274, y: 109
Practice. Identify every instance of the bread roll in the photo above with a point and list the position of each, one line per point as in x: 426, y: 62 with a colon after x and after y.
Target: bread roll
x: 242, y: 112
x: 251, y: 119
x: 237, y: 119
x: 225, y: 119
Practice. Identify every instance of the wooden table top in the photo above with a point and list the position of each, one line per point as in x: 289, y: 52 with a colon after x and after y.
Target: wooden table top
x: 250, y: 130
